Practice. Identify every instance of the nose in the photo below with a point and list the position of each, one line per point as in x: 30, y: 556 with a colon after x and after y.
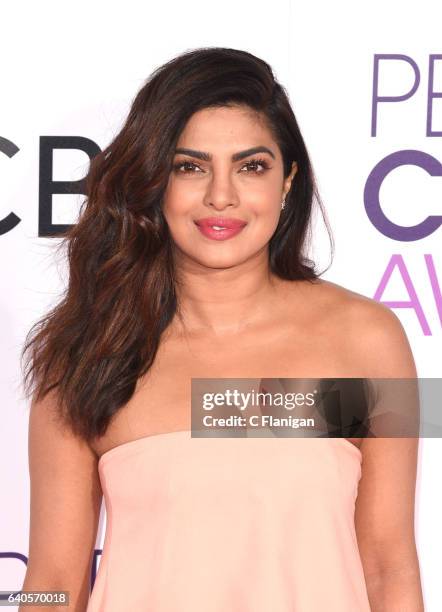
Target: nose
x: 221, y: 191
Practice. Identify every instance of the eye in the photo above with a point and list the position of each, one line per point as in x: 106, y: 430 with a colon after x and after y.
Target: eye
x: 254, y: 164
x: 185, y: 167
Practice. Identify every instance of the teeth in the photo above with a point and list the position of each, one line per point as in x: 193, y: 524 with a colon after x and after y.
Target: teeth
x: 218, y: 227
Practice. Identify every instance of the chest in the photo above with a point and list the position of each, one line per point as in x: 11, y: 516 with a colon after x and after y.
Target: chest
x: 162, y: 399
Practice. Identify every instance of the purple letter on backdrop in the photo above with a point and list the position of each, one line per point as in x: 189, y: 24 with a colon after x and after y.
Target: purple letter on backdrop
x: 373, y: 185
x: 397, y: 260
x: 376, y: 98
x: 431, y: 95
x: 434, y: 285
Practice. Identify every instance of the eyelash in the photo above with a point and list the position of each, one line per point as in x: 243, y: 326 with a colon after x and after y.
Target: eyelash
x: 255, y: 161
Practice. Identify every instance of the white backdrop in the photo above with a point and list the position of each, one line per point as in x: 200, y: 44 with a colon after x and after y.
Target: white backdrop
x: 73, y: 71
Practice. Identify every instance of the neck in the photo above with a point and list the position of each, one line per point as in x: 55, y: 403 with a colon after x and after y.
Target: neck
x: 222, y: 301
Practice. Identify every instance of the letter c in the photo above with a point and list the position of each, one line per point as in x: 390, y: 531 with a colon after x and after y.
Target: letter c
x: 8, y: 223
x: 373, y: 185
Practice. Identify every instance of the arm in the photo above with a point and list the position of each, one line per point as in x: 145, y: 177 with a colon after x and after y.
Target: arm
x: 64, y: 509
x: 384, y: 519
x: 385, y: 506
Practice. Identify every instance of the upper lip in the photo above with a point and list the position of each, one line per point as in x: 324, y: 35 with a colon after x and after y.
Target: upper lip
x: 228, y: 222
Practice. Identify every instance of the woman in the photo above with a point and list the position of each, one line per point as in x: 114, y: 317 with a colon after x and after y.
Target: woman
x: 159, y: 294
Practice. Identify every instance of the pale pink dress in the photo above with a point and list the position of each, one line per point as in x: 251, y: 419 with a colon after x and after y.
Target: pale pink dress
x: 230, y: 525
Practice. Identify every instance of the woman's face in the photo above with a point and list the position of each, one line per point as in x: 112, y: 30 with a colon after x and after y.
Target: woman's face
x: 217, y: 176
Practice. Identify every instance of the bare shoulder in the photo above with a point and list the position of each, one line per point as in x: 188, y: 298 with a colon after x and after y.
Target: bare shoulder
x: 369, y: 332
x: 51, y: 441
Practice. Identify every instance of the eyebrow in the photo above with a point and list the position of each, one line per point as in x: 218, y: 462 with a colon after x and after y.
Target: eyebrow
x: 235, y: 157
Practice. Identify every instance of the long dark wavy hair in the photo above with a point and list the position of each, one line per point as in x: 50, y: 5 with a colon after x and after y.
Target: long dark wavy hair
x: 104, y: 333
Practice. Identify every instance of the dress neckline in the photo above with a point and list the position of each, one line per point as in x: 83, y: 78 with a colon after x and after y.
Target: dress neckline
x: 133, y: 444
x: 121, y: 448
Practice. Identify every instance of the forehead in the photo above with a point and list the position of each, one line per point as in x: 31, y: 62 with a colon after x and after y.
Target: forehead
x: 225, y: 128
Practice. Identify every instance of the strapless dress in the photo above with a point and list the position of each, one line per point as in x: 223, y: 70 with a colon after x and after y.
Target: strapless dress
x: 230, y: 525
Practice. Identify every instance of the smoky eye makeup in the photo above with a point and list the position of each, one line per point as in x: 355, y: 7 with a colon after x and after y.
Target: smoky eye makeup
x: 185, y: 166
x: 255, y: 165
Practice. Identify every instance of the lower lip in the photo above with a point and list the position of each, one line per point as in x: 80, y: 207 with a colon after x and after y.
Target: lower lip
x: 223, y: 234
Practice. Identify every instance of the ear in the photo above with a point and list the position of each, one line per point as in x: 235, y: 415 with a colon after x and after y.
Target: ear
x: 288, y: 180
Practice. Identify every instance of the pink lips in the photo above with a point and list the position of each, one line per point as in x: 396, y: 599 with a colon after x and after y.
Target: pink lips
x: 231, y: 227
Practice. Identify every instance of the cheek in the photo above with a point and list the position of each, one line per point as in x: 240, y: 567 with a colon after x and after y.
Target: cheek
x: 180, y: 198
x: 263, y: 191
x: 263, y: 200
